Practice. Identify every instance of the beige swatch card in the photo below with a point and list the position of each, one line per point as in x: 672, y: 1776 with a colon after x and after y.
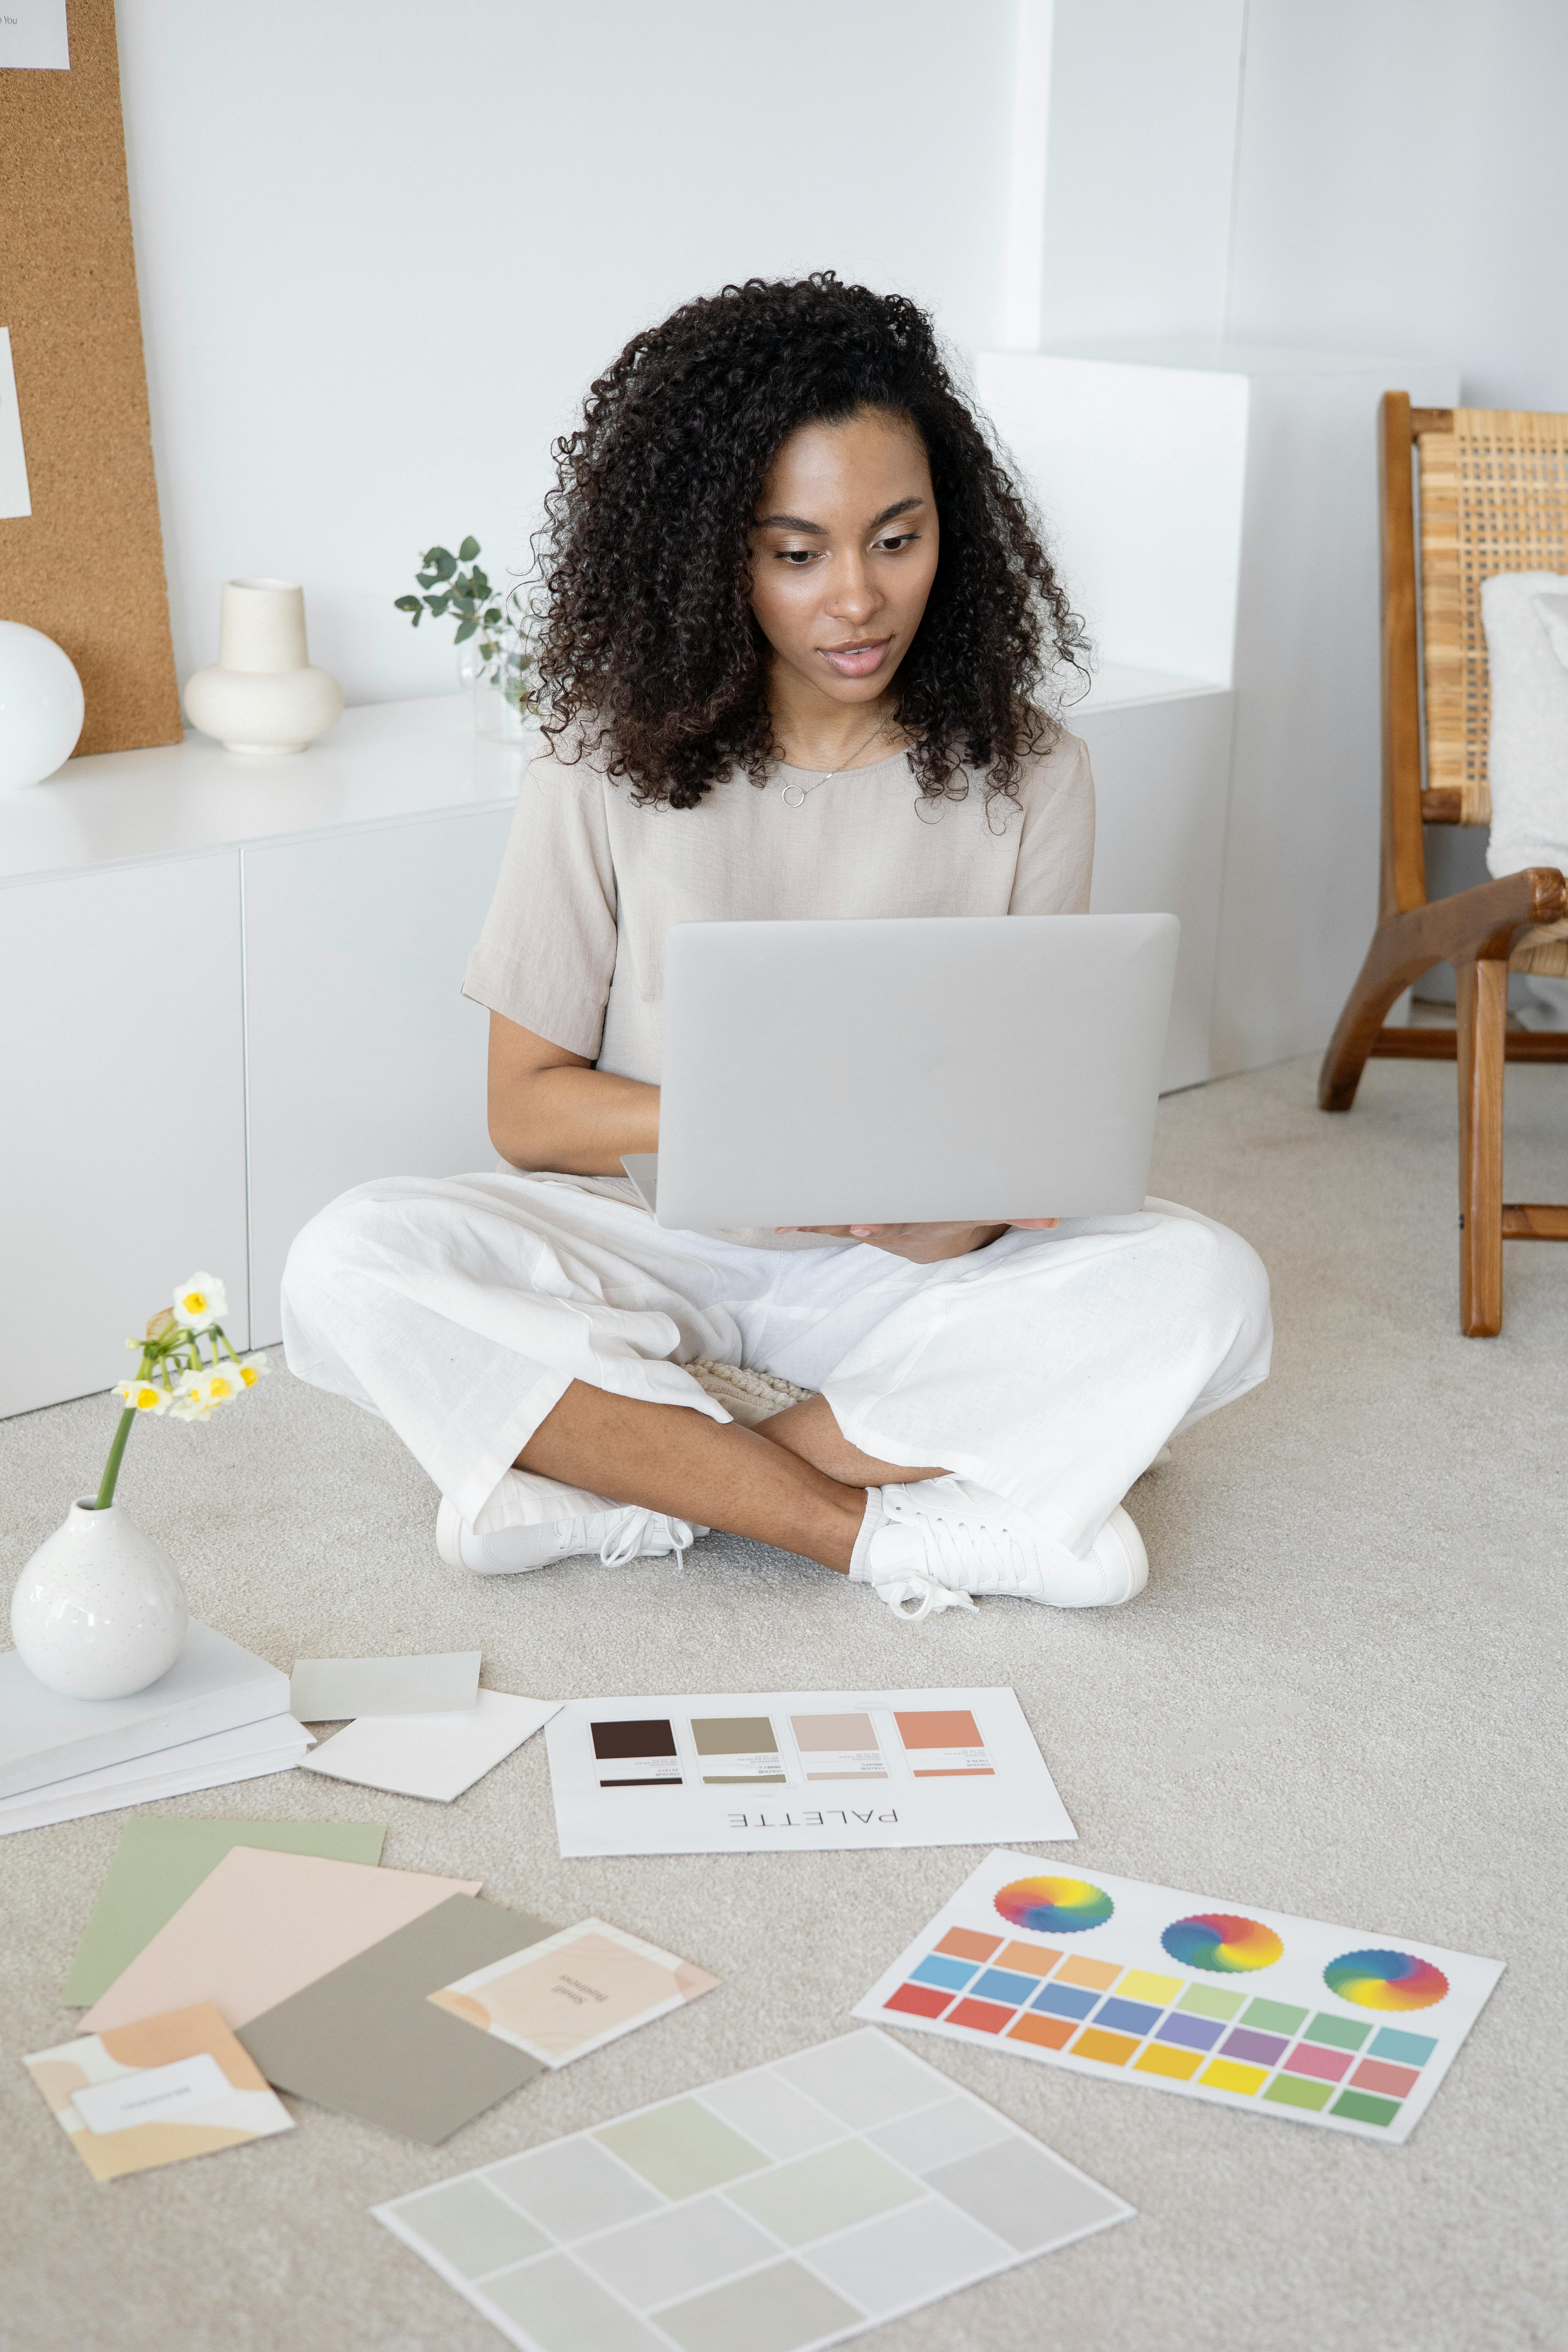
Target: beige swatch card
x: 156, y: 2092
x: 574, y: 1991
x: 261, y: 1925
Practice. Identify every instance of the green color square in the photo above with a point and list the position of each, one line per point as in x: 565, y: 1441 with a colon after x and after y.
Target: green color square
x: 772, y: 2311
x: 565, y: 2310
x: 681, y: 2148
x: 1273, y: 2016
x: 1206, y: 2000
x: 1361, y: 2107
x: 1339, y: 2033
x: 469, y: 2224
x: 1295, y: 2091
x: 824, y: 2191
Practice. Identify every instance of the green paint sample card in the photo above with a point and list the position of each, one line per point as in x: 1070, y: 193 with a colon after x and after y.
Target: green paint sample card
x: 161, y: 1861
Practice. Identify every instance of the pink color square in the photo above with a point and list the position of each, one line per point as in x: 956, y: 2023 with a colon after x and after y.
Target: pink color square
x: 1377, y: 2074
x: 983, y: 2016
x: 1327, y: 2065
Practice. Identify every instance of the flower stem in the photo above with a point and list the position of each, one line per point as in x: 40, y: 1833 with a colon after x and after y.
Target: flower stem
x: 116, y: 1453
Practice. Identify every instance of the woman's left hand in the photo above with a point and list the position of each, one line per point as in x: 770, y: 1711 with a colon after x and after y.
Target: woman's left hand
x: 925, y: 1244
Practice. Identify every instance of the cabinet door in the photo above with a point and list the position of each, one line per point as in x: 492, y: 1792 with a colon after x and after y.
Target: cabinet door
x: 362, y: 1058
x: 121, y: 1115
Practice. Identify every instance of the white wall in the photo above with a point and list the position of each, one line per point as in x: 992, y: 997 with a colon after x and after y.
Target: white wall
x: 383, y: 247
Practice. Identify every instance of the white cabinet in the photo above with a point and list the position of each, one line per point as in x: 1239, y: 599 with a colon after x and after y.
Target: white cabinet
x: 362, y: 1058
x: 122, y: 1114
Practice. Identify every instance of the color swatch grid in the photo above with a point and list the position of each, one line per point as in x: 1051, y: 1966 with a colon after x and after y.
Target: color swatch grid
x: 1078, y: 1973
x: 792, y: 2206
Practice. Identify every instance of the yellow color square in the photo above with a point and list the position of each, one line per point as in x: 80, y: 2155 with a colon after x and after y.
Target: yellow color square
x: 1225, y: 2074
x: 1142, y: 1984
x: 1161, y: 2059
x: 1110, y: 2049
x: 1094, y: 1974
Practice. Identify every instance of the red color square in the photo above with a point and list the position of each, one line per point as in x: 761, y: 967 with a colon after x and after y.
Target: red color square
x: 1377, y: 2074
x: 918, y: 2001
x: 1324, y: 2066
x: 984, y: 2016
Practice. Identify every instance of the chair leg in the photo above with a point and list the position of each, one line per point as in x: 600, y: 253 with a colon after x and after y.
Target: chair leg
x: 1481, y: 1022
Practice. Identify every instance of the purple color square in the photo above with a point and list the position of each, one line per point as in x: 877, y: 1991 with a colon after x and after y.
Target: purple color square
x: 1190, y: 2032
x: 1324, y: 2065
x: 1258, y: 2049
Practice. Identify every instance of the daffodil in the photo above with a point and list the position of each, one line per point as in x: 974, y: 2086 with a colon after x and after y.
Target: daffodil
x: 251, y: 1368
x: 145, y: 1396
x: 201, y: 1302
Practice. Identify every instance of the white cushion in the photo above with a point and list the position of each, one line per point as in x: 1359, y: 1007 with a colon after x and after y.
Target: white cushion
x: 1525, y: 614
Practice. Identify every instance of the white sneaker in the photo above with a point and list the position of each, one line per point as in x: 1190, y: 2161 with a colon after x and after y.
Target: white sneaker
x: 623, y: 1532
x: 941, y: 1539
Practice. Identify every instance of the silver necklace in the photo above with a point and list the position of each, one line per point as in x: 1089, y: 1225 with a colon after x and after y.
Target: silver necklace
x: 796, y: 795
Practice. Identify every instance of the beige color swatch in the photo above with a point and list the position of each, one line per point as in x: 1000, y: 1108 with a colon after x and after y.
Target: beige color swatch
x: 261, y: 1927
x: 185, y: 2074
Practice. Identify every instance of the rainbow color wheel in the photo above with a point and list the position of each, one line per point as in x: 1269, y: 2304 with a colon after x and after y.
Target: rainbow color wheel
x: 1055, y: 1907
x: 1222, y: 1941
x: 1385, y: 1980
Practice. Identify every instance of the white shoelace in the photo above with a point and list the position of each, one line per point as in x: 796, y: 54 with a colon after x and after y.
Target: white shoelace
x: 964, y: 1552
x: 628, y: 1543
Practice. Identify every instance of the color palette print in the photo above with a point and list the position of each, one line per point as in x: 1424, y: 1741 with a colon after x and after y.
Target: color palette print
x: 789, y: 2207
x: 739, y: 1773
x: 1114, y: 1976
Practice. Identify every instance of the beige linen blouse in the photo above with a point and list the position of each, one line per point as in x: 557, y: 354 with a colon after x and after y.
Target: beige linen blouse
x: 572, y: 946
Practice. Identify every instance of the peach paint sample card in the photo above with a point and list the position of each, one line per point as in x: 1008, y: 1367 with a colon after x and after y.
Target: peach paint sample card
x: 157, y: 2092
x: 574, y: 1991
x: 262, y: 1926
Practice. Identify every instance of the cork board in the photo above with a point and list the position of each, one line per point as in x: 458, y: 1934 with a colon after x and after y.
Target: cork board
x: 87, y: 566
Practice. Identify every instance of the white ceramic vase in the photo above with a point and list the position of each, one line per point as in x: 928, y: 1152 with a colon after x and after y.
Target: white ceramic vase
x: 98, y: 1611
x: 41, y: 705
x: 263, y: 696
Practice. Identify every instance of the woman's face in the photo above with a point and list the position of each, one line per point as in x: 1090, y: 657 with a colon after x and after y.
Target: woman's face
x: 844, y: 552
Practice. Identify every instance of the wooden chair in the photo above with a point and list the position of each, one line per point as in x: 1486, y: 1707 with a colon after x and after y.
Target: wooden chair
x: 1492, y: 490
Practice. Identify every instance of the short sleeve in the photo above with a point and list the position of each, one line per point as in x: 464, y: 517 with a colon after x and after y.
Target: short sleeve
x: 1056, y: 854
x: 546, y: 955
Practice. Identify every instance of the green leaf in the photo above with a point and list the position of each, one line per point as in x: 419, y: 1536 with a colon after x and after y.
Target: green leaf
x: 465, y: 630
x: 469, y: 550
x: 436, y: 605
x: 445, y: 564
x: 407, y: 605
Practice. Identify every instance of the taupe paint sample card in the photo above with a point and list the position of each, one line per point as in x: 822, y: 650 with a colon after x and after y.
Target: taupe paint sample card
x: 368, y: 2040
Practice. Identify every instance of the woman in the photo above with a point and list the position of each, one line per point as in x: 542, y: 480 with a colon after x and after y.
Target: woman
x: 796, y: 617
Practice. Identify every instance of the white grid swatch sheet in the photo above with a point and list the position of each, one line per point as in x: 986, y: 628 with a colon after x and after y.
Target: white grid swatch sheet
x: 795, y: 2205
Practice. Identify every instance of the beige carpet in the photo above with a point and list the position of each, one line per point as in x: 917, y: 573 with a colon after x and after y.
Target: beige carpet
x: 1341, y: 1695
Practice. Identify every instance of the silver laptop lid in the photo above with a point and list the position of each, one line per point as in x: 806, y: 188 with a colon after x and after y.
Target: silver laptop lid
x: 962, y: 1066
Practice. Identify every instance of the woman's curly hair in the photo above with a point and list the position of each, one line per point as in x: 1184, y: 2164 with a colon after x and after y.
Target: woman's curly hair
x: 649, y: 655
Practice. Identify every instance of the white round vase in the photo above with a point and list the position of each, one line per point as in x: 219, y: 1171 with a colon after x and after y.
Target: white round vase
x: 263, y: 696
x: 98, y: 1611
x: 41, y: 705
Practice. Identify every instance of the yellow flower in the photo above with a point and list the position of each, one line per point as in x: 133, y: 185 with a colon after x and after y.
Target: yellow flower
x: 201, y: 1393
x: 147, y: 1396
x: 251, y: 1368
x: 200, y: 1302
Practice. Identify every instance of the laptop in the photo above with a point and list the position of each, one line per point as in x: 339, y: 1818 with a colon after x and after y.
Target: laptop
x: 975, y: 1067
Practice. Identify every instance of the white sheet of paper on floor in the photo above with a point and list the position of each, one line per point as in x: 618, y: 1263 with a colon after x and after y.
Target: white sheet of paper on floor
x: 250, y: 1752
x: 433, y: 1755
x: 1344, y: 2027
x: 797, y: 2204
x: 765, y: 1771
x: 331, y: 1690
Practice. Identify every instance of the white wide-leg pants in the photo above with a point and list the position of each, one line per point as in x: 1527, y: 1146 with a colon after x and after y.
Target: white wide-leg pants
x: 1049, y: 1368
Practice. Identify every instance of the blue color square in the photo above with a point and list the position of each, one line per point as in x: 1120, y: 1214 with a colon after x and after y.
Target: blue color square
x: 1065, y: 2001
x: 1191, y: 2032
x: 954, y: 1974
x: 1004, y: 1984
x: 1408, y: 2049
x: 1126, y: 2016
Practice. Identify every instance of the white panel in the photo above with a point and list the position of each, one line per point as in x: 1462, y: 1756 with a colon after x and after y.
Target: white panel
x: 364, y: 1059
x: 121, y: 1095
x: 1161, y: 773
x: 1139, y: 473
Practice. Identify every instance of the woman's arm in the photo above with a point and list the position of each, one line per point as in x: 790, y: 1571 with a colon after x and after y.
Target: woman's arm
x: 551, y: 1109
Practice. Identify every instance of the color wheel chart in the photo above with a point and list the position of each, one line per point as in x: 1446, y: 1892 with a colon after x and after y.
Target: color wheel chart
x: 1254, y: 2009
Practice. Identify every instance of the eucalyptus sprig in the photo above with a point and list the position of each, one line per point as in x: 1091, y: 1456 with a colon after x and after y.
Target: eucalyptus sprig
x: 449, y: 589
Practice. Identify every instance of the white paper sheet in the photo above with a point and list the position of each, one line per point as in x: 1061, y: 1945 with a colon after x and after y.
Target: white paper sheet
x: 331, y: 1690
x: 1349, y: 2027
x: 33, y: 33
x: 275, y: 1745
x: 791, y: 1770
x: 15, y: 495
x: 435, y: 1756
